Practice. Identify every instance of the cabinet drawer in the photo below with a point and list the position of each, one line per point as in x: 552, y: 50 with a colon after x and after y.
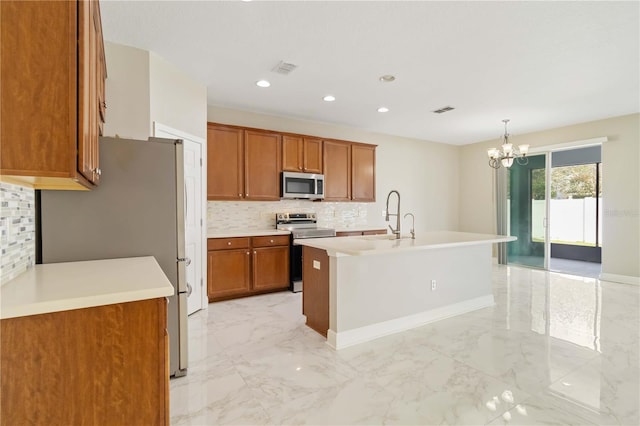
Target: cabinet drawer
x: 227, y: 243
x: 270, y: 240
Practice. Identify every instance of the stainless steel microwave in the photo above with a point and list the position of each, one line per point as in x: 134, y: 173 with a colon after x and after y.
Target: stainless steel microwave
x: 302, y: 185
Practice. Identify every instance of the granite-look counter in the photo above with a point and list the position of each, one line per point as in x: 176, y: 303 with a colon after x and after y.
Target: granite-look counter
x: 56, y: 287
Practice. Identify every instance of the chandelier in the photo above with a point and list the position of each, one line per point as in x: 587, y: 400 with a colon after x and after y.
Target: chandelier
x: 506, y: 156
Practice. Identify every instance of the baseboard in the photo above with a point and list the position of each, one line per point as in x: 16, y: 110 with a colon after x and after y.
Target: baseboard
x: 624, y: 279
x: 370, y: 332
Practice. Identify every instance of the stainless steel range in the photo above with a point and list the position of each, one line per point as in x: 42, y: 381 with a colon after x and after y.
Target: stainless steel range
x: 301, y: 225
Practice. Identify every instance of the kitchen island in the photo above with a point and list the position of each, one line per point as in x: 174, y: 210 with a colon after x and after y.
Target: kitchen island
x: 357, y: 289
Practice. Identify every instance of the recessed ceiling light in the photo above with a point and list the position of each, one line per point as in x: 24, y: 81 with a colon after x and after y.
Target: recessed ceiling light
x: 383, y: 109
x: 329, y: 98
x: 387, y: 78
x: 263, y: 83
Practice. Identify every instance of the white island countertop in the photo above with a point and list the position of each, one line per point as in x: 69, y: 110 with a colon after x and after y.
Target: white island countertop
x: 56, y: 287
x: 381, y: 244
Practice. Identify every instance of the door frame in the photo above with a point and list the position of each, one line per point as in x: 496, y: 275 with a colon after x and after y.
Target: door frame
x: 548, y: 150
x: 158, y: 127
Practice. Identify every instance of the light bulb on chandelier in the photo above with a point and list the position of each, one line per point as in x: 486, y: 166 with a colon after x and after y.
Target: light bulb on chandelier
x: 507, y: 155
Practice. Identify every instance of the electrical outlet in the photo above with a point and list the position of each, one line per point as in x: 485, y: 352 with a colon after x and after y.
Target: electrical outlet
x: 384, y: 213
x: 433, y: 285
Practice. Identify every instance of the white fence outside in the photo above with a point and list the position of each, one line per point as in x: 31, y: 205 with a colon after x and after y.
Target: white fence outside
x: 572, y: 220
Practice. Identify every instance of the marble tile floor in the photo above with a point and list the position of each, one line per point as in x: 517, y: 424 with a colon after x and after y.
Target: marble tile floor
x: 555, y: 349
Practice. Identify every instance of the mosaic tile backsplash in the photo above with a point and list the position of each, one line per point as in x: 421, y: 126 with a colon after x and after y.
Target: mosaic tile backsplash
x: 17, y: 230
x: 223, y: 216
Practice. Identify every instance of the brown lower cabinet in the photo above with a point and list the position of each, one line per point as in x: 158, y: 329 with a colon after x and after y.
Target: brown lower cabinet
x: 244, y: 266
x: 106, y: 365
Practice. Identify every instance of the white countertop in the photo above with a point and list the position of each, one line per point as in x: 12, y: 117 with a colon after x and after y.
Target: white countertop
x: 360, y: 228
x: 246, y: 233
x: 380, y: 244
x: 56, y: 287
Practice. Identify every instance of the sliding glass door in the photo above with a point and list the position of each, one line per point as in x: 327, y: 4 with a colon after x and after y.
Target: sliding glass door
x: 527, y: 212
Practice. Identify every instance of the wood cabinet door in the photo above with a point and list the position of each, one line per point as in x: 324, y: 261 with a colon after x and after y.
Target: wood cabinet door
x: 75, y: 367
x: 38, y: 122
x: 363, y: 172
x: 292, y: 153
x: 263, y: 165
x: 271, y: 268
x: 86, y: 90
x: 228, y: 272
x: 225, y: 163
x: 337, y: 171
x: 312, y: 161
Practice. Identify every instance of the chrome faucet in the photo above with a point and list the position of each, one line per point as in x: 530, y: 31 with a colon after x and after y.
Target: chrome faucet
x: 396, y: 231
x: 413, y: 225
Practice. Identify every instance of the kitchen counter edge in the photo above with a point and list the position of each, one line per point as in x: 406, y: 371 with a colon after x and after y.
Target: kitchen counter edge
x: 371, y: 245
x: 57, y: 287
x: 247, y: 233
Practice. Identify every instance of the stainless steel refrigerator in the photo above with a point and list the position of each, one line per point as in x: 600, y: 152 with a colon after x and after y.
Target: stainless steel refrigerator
x: 137, y: 210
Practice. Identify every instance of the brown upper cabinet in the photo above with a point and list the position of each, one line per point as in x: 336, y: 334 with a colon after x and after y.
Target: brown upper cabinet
x: 349, y: 171
x: 52, y: 102
x: 363, y: 171
x: 243, y: 164
x: 337, y: 171
x: 246, y: 164
x: 301, y: 154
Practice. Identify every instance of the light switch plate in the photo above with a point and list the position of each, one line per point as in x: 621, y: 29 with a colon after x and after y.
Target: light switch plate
x: 316, y: 264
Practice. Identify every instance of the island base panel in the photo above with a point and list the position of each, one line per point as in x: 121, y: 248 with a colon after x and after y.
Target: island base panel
x: 315, y: 289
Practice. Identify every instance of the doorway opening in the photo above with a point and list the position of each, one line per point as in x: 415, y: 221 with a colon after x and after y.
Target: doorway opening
x: 575, y: 212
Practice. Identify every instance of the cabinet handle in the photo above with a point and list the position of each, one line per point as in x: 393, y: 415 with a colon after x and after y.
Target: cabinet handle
x: 97, y: 171
x: 247, y: 253
x: 271, y: 241
x: 239, y: 195
x: 299, y: 167
x: 255, y: 252
x: 229, y: 243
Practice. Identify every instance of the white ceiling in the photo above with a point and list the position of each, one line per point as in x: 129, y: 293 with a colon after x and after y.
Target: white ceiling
x: 541, y: 64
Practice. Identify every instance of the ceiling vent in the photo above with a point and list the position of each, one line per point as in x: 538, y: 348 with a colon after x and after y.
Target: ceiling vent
x: 284, y: 68
x: 444, y: 109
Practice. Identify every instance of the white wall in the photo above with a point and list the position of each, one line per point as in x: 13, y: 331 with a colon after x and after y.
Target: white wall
x: 127, y: 92
x: 143, y: 88
x: 421, y: 171
x: 620, y: 181
x: 176, y: 100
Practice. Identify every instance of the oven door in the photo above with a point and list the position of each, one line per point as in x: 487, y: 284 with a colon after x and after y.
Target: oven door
x: 295, y: 268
